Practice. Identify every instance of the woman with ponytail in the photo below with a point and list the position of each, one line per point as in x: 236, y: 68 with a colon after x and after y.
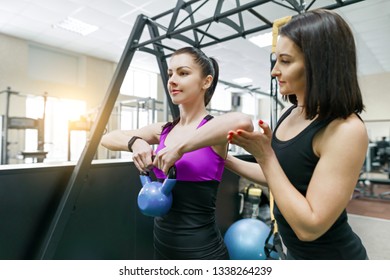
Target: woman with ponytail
x: 195, y: 143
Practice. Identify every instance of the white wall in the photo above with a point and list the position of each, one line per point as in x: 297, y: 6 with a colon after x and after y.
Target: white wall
x: 375, y: 90
x: 27, y: 74
x: 32, y: 69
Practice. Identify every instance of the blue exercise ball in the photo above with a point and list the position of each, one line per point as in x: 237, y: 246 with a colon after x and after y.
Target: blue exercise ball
x: 245, y: 239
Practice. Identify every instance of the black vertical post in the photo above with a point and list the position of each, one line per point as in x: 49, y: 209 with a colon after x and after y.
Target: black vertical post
x: 162, y: 65
x: 80, y: 172
x: 273, y: 94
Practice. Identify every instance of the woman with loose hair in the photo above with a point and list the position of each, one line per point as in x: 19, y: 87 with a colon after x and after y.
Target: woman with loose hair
x: 196, y: 144
x: 312, y: 160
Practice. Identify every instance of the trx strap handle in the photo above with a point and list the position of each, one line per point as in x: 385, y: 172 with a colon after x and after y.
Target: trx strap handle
x: 276, y: 245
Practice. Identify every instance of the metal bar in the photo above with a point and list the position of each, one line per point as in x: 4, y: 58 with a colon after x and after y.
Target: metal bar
x: 240, y: 16
x: 206, y: 34
x: 217, y: 16
x: 342, y: 4
x: 311, y: 3
x: 190, y: 14
x: 189, y: 3
x: 179, y: 5
x: 283, y: 5
x: 205, y: 21
x: 234, y: 36
x: 4, y: 146
x: 296, y: 6
x: 260, y: 17
x: 80, y: 172
x: 162, y: 65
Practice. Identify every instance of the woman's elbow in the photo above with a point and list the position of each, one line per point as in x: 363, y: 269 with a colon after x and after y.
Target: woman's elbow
x: 104, y: 142
x: 107, y: 142
x: 244, y: 122
x: 309, y: 234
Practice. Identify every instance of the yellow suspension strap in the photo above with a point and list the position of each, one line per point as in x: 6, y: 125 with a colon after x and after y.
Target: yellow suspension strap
x: 275, y: 245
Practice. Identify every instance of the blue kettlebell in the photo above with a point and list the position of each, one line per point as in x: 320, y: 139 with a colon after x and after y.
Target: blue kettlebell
x: 155, y: 198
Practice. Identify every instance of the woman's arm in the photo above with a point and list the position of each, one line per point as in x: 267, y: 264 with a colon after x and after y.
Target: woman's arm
x: 249, y: 170
x: 341, y: 148
x: 117, y: 140
x: 213, y: 133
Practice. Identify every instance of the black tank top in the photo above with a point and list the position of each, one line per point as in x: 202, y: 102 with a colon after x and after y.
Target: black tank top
x: 189, y: 230
x: 298, y: 160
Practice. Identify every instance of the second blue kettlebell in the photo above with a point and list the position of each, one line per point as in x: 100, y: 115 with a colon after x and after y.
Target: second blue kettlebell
x: 155, y: 198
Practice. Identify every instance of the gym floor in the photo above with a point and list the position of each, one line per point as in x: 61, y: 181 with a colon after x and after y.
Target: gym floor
x: 376, y: 208
x: 367, y: 201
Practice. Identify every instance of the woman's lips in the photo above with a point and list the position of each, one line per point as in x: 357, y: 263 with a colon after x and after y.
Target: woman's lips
x: 175, y: 91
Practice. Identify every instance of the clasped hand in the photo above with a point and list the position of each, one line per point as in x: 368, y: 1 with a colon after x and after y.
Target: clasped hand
x: 145, y: 159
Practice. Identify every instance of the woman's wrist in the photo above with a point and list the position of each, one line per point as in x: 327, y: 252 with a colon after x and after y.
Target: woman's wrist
x: 131, y: 142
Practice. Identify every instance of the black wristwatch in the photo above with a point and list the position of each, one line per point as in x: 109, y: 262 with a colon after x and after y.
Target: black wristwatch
x: 131, y: 142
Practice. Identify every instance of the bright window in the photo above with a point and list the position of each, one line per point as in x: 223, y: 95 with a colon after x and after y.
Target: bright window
x: 57, y: 116
x: 139, y: 83
x: 221, y: 99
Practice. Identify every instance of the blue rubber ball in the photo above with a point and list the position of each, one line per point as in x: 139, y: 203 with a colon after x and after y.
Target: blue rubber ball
x: 245, y: 239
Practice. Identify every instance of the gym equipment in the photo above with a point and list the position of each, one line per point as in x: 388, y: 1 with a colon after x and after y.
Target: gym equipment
x: 21, y: 123
x: 155, y: 198
x: 250, y: 201
x: 245, y: 239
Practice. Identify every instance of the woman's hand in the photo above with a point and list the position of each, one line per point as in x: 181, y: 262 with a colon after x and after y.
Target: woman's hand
x: 166, y: 158
x: 257, y: 143
x: 142, y: 155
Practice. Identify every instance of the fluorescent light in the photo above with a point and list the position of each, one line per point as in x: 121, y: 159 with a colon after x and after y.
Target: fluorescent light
x: 77, y: 26
x: 262, y: 40
x: 243, y: 80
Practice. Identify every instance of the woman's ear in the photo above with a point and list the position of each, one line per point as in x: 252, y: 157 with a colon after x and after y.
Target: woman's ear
x: 207, y: 82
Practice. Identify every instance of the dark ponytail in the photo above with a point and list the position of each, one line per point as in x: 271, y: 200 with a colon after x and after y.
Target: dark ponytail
x: 211, y: 89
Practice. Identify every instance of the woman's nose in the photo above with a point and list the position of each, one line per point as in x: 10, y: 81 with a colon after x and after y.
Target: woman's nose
x: 171, y: 80
x: 275, y: 72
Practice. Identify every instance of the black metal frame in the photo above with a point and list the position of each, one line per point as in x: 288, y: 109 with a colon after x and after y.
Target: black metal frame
x: 155, y: 45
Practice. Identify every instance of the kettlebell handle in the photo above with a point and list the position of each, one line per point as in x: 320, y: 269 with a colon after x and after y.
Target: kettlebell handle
x: 171, y: 173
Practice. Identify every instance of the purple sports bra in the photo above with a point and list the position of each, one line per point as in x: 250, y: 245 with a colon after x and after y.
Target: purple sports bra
x: 203, y: 164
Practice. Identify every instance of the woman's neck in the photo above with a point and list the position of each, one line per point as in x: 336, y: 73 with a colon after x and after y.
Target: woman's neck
x: 194, y: 115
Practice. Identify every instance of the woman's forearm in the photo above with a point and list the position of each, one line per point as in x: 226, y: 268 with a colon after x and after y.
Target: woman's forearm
x: 215, y: 131
x: 246, y: 169
x: 117, y: 140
